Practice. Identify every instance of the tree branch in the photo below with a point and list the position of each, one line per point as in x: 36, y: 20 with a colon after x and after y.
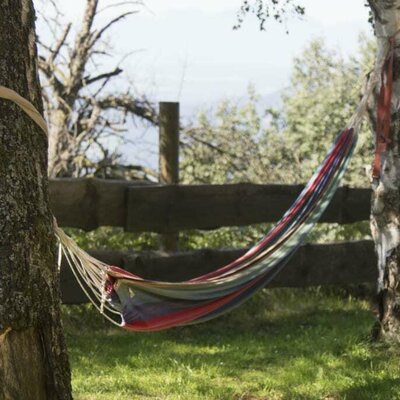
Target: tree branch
x: 122, y: 3
x: 97, y: 35
x: 106, y: 75
x: 49, y: 72
x: 54, y: 52
x: 141, y: 108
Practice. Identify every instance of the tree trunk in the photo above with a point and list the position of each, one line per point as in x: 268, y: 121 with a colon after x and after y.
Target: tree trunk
x: 385, y: 211
x: 33, y: 357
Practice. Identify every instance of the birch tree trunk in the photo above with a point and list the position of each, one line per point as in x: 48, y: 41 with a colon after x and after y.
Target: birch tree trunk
x: 33, y: 357
x: 385, y: 210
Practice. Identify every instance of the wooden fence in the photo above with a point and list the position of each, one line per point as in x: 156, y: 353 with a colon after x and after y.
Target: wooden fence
x: 90, y: 203
x: 140, y: 207
x: 313, y: 265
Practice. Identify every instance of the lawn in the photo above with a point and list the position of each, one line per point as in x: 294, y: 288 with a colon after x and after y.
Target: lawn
x: 282, y: 344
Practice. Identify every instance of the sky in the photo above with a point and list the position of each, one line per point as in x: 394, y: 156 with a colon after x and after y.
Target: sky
x: 187, y: 51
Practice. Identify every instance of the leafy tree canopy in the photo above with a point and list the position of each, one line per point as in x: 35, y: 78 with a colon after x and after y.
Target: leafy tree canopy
x: 240, y: 141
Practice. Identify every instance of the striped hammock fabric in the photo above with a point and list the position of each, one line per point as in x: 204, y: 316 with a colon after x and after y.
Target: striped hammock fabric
x: 148, y: 305
x: 151, y: 305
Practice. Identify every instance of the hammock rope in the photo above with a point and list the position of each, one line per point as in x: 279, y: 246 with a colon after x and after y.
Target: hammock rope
x: 148, y: 305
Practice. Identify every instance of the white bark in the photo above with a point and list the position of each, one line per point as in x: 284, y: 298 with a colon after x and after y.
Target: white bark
x: 385, y: 210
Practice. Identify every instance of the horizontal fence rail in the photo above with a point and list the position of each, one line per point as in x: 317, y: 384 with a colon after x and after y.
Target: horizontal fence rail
x: 139, y: 207
x: 312, y: 265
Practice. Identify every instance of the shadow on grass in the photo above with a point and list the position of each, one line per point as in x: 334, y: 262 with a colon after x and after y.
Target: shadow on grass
x: 374, y: 389
x: 305, y: 351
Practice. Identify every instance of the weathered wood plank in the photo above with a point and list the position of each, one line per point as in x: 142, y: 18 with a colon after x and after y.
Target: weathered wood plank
x: 313, y: 265
x: 173, y: 208
x: 88, y: 203
x: 138, y: 206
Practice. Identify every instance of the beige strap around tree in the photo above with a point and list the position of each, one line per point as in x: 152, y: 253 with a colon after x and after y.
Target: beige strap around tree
x: 25, y: 105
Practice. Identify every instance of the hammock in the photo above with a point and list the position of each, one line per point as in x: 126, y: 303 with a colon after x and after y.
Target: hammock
x: 149, y: 305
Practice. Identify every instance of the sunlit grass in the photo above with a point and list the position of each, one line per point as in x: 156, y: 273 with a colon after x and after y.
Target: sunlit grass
x: 283, y: 344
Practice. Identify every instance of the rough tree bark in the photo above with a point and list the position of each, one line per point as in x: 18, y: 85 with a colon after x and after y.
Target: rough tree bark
x: 33, y: 357
x: 385, y: 211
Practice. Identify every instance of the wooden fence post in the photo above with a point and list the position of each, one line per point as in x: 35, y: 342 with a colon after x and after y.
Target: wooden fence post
x: 169, y: 160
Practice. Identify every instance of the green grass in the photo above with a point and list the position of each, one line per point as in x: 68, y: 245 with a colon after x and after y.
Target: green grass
x: 283, y: 344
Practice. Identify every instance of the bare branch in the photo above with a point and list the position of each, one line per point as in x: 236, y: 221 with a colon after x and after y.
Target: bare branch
x: 81, y: 49
x: 100, y: 33
x: 80, y: 116
x: 120, y: 4
x: 141, y: 108
x: 54, y: 52
x: 106, y: 75
x: 49, y: 72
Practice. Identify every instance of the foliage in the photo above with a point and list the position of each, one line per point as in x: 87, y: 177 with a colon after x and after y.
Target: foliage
x: 113, y: 238
x: 282, y: 344
x: 242, y: 142
x: 325, y: 89
x: 231, y: 144
x: 277, y: 10
x: 227, y: 237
